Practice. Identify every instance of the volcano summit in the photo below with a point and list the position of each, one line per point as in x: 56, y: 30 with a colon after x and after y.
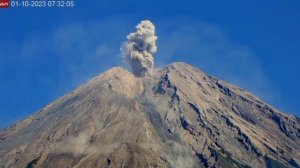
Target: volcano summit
x: 176, y: 116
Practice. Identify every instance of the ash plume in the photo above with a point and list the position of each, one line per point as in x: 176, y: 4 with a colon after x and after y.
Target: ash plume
x: 139, y: 48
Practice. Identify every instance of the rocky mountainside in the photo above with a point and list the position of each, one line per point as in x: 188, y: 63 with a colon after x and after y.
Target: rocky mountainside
x: 176, y: 117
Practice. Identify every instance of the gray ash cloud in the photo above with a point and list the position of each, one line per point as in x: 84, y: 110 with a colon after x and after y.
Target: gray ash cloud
x: 139, y: 48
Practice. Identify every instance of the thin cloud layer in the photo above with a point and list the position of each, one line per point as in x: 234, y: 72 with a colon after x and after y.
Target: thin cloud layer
x: 139, y: 48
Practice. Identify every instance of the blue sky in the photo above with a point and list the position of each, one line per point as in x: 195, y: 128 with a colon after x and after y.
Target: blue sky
x: 45, y: 53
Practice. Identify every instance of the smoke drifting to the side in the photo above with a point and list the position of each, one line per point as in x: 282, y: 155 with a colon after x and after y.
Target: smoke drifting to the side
x: 138, y: 49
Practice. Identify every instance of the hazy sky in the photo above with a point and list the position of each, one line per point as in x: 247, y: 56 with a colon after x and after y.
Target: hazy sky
x: 45, y: 53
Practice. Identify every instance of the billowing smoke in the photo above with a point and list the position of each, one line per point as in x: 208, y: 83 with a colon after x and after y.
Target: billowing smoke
x: 138, y: 49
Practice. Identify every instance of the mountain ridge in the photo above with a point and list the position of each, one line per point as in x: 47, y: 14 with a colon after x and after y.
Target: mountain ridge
x: 176, y: 116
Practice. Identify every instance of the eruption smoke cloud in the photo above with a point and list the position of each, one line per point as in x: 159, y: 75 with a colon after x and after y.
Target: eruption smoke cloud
x: 138, y: 49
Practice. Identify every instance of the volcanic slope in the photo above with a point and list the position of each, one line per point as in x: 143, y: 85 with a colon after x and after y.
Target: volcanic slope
x: 176, y: 117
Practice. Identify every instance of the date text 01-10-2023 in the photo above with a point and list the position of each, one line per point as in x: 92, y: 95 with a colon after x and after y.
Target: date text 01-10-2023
x: 40, y: 4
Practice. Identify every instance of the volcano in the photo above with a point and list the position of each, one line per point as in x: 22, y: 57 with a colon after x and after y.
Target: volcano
x: 177, y: 116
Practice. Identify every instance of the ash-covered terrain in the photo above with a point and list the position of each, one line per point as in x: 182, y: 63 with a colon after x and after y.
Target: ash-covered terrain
x: 177, y: 117
x: 173, y: 117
